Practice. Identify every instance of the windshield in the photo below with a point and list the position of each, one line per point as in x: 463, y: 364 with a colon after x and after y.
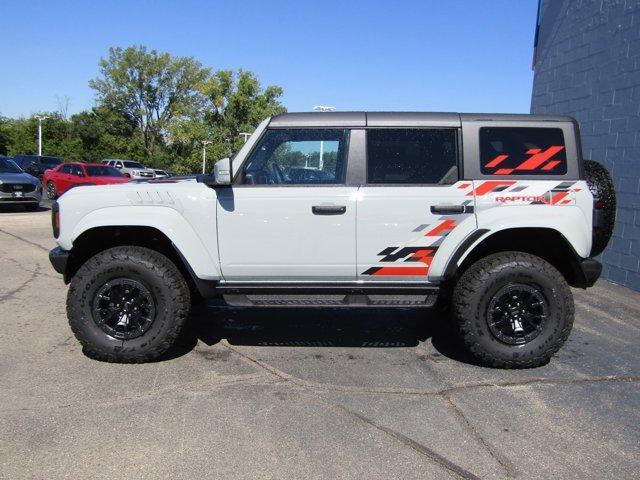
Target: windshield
x: 8, y: 166
x: 102, y: 171
x: 133, y: 165
x: 50, y: 161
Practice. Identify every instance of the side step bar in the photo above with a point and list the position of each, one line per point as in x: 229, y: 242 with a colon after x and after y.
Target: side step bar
x: 327, y: 295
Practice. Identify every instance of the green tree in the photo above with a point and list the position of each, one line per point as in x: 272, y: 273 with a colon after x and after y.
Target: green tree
x: 104, y: 133
x: 152, y: 89
x: 5, y: 135
x: 234, y: 102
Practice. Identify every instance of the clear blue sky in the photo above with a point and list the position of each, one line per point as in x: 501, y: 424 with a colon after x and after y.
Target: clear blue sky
x: 434, y: 55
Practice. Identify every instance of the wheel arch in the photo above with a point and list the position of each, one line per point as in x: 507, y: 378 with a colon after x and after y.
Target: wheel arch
x: 546, y: 243
x: 97, y: 239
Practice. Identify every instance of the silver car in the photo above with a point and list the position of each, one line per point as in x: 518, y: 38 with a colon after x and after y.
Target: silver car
x: 18, y: 187
x: 131, y: 169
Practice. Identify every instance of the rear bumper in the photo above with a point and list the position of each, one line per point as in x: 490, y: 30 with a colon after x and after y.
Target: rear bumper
x: 59, y: 258
x: 588, y: 274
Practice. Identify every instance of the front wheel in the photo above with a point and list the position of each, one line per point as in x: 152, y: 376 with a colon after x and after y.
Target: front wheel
x: 513, y: 310
x: 127, y: 304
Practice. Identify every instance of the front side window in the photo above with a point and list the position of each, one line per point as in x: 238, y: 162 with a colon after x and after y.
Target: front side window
x: 77, y: 170
x: 133, y: 165
x: 522, y: 151
x: 297, y: 157
x: 412, y: 156
x: 66, y: 169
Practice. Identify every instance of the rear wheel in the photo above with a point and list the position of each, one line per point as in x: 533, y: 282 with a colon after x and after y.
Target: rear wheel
x: 513, y: 310
x: 52, y: 193
x: 127, y: 304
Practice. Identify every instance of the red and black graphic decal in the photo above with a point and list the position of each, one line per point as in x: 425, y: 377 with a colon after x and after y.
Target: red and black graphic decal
x: 508, y: 191
x: 409, y: 254
x: 522, y: 151
x: 539, y: 160
x: 424, y: 254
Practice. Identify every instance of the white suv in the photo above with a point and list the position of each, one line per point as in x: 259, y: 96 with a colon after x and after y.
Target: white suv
x: 131, y: 169
x: 493, y: 216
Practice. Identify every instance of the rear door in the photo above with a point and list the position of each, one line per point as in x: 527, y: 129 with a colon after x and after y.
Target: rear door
x: 411, y: 203
x: 290, y: 216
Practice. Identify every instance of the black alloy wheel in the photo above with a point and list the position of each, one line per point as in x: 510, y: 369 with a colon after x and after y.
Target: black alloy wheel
x: 123, y: 308
x: 517, y: 313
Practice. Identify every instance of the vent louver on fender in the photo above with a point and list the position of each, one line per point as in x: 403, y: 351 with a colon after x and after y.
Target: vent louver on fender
x: 154, y: 197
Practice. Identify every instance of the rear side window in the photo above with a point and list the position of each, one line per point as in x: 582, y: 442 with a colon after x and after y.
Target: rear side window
x: 522, y: 151
x: 411, y: 156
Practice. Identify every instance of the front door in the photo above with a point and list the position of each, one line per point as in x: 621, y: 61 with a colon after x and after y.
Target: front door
x: 289, y: 215
x: 411, y: 202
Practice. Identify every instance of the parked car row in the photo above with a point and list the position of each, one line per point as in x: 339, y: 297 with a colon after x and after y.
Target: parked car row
x: 24, y: 178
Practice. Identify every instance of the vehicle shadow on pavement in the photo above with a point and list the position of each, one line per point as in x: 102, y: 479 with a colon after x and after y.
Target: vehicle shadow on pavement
x: 314, y: 327
x: 21, y: 209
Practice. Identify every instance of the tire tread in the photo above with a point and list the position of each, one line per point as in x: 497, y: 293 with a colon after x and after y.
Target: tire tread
x: 477, y: 276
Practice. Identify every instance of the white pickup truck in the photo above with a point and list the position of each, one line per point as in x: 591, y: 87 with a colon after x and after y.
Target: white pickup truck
x: 494, y: 216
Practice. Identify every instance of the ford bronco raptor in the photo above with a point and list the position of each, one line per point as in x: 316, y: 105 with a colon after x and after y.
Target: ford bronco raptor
x: 493, y: 215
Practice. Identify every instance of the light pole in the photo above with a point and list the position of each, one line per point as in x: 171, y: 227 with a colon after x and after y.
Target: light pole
x: 39, y: 118
x: 323, y: 108
x: 204, y: 154
x: 245, y: 135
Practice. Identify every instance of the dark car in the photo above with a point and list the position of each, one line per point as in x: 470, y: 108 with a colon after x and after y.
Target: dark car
x: 36, y: 164
x: 18, y: 187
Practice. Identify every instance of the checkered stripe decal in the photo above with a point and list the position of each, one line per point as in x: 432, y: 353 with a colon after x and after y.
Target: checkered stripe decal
x: 422, y: 254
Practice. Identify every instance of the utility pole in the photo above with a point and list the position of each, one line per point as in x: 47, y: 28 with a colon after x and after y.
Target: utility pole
x: 204, y: 154
x: 323, y: 108
x: 39, y: 118
x: 245, y: 135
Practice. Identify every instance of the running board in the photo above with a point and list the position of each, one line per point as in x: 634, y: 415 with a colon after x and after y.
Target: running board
x: 323, y: 295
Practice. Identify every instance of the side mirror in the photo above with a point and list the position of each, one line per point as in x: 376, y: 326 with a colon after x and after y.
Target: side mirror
x: 221, y: 174
x: 222, y: 171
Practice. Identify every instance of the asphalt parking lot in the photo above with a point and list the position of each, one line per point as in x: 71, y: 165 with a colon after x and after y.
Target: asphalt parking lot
x: 298, y: 393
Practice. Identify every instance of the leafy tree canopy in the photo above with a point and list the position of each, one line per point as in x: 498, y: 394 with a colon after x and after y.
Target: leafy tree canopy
x: 155, y: 108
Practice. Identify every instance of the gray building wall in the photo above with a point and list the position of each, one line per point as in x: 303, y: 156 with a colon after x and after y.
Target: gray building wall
x: 588, y: 66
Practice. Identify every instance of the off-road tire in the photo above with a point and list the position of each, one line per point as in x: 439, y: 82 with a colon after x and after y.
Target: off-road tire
x: 601, y: 187
x: 482, y: 281
x: 163, y: 280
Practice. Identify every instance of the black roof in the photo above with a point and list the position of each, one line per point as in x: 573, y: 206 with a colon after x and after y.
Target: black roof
x: 405, y: 119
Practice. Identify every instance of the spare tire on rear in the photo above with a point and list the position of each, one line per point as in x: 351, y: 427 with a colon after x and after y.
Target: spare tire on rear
x: 604, y: 204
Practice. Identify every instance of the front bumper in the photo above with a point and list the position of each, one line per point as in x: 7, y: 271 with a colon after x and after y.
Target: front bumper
x: 20, y: 197
x: 588, y: 273
x: 59, y: 259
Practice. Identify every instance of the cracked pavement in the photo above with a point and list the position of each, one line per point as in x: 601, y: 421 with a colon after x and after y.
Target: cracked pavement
x: 304, y: 393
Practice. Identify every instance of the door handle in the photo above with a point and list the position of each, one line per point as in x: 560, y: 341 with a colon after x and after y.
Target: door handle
x: 328, y: 209
x: 448, y: 209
